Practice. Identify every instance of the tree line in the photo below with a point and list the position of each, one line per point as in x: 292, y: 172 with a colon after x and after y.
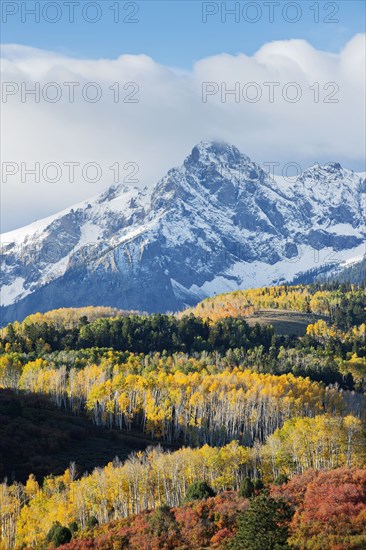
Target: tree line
x: 140, y: 334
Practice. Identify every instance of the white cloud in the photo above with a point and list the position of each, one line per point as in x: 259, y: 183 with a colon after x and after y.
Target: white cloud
x: 170, y: 117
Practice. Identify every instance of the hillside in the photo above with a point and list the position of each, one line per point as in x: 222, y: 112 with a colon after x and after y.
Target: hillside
x: 318, y: 499
x: 70, y: 317
x: 165, y: 511
x: 284, y: 322
x: 299, y: 304
x: 351, y: 271
x: 37, y: 437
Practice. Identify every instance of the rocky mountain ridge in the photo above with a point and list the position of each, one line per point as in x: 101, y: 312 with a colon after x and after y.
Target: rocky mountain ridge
x: 219, y: 222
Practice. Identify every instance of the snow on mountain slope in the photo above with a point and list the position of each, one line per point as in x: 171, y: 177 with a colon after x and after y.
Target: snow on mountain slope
x: 218, y: 222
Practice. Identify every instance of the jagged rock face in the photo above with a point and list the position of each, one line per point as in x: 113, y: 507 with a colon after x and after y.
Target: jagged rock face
x: 217, y: 223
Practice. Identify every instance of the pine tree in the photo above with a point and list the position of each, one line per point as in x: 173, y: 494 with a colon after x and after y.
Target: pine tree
x: 264, y: 526
x: 199, y: 490
x: 246, y: 488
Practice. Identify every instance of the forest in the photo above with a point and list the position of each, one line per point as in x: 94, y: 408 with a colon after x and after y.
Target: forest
x: 344, y: 304
x: 208, y: 425
x: 313, y: 509
x: 140, y: 334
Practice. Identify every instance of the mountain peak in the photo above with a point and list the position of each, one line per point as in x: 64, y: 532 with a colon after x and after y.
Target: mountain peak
x: 325, y: 173
x: 207, y: 152
x: 333, y: 165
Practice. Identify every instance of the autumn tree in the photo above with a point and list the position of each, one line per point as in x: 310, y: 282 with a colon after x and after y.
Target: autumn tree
x: 332, y: 511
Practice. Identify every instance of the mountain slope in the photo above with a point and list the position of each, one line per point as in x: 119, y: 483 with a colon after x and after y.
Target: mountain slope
x: 37, y: 437
x: 217, y: 223
x: 350, y: 272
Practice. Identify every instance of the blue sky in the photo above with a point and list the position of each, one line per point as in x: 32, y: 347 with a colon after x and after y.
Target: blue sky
x: 172, y: 31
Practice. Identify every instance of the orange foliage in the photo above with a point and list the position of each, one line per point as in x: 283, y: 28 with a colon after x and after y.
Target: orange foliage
x: 202, y: 523
x: 331, y: 509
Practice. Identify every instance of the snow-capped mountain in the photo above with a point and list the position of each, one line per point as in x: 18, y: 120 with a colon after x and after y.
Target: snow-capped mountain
x: 215, y: 224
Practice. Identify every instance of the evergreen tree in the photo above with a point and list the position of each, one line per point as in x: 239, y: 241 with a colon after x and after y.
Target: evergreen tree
x: 92, y: 522
x: 58, y: 534
x: 199, y: 490
x: 246, y: 488
x: 162, y: 521
x: 281, y: 479
x: 258, y: 484
x: 264, y: 526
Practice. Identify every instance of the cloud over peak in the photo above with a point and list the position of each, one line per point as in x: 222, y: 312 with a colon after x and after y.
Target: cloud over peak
x: 289, y: 102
